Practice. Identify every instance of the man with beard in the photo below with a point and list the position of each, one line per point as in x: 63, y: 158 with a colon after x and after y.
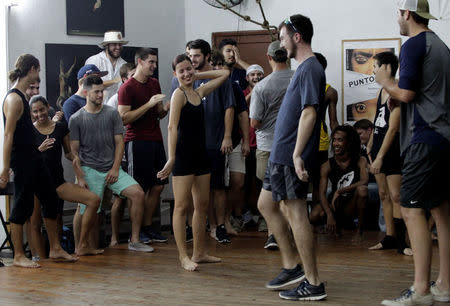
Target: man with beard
x: 230, y: 51
x: 347, y: 172
x: 292, y: 159
x: 109, y: 60
x: 423, y: 89
x: 141, y: 107
x: 219, y: 114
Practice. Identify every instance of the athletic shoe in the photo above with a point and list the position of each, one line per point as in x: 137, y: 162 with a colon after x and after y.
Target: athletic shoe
x: 247, y: 217
x: 271, y: 243
x: 237, y: 223
x: 156, y: 237
x: 410, y: 297
x: 222, y: 235
x: 287, y: 277
x: 262, y: 225
x: 438, y: 294
x: 139, y: 247
x: 189, y: 235
x: 305, y: 292
x: 144, y: 237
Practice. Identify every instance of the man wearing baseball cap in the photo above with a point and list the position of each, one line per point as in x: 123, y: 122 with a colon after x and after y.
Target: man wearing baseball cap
x: 424, y: 90
x: 78, y: 100
x: 109, y: 59
x: 266, y: 101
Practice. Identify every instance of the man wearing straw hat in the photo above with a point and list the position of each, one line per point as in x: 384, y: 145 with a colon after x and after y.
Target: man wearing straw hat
x: 109, y: 59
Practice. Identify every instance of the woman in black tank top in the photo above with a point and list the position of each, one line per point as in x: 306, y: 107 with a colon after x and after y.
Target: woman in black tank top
x: 386, y: 163
x: 50, y: 138
x: 188, y: 159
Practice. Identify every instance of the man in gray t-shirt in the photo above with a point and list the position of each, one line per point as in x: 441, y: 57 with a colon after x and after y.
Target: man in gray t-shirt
x: 96, y: 140
x: 265, y: 104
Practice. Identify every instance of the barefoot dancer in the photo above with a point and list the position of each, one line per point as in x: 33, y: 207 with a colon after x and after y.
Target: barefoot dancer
x: 51, y: 138
x: 31, y: 176
x: 188, y: 157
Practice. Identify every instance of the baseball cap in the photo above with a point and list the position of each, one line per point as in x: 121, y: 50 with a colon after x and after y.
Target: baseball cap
x: 90, y: 69
x: 274, y: 47
x: 253, y: 68
x: 420, y: 7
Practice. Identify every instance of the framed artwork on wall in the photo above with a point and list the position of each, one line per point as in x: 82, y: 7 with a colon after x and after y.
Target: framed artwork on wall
x: 94, y: 17
x: 359, y: 89
x: 62, y: 62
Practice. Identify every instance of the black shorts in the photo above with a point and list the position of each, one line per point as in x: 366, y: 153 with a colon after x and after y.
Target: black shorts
x: 32, y: 177
x: 424, y: 182
x: 192, y: 162
x: 217, y: 162
x: 392, y: 163
x: 284, y: 183
x: 145, y: 159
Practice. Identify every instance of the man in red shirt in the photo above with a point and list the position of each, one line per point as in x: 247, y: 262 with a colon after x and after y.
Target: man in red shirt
x: 141, y: 107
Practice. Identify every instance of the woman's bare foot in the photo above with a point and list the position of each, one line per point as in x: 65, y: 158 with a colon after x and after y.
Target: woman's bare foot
x: 230, y: 229
x: 113, y: 243
x: 188, y: 264
x: 61, y: 255
x: 206, y: 259
x: 23, y: 262
x: 407, y: 252
x: 377, y: 246
x: 88, y: 251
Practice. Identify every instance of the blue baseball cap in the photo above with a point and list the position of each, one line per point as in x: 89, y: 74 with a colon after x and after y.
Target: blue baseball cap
x: 90, y: 69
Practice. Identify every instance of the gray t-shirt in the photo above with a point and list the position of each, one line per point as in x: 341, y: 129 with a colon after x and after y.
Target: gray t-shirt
x: 96, y: 132
x: 265, y: 104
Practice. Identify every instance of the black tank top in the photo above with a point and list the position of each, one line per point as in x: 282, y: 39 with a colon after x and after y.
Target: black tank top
x: 381, y: 126
x: 343, y: 177
x: 191, y: 129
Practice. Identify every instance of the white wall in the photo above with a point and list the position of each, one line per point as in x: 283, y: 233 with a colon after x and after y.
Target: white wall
x: 333, y: 22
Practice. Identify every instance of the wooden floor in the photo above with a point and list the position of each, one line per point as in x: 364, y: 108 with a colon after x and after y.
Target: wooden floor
x: 353, y: 276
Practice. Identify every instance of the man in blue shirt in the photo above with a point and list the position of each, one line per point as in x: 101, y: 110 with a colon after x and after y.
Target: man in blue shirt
x: 292, y: 158
x: 78, y: 100
x: 424, y: 90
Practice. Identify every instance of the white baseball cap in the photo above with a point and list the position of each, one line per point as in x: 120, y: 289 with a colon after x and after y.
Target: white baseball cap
x: 420, y: 7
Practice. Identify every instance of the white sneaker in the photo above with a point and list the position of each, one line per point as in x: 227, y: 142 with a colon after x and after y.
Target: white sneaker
x: 438, y: 294
x: 139, y: 247
x: 410, y: 297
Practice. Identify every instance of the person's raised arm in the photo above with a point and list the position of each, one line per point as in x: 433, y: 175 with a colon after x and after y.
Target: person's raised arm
x: 239, y: 60
x: 383, y: 77
x: 13, y: 109
x: 127, y: 114
x: 217, y: 78
x: 177, y: 102
x: 394, y: 126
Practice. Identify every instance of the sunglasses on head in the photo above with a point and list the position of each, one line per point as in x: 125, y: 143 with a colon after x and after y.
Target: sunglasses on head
x: 289, y: 21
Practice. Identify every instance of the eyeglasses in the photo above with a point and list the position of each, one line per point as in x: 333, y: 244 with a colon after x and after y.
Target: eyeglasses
x: 289, y: 21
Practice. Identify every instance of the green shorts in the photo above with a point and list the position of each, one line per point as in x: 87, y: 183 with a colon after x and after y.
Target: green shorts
x: 96, y: 182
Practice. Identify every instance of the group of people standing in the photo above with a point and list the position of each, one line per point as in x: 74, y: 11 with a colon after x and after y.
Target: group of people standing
x: 222, y: 115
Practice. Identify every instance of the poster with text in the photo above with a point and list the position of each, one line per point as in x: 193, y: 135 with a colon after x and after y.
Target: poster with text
x: 359, y: 89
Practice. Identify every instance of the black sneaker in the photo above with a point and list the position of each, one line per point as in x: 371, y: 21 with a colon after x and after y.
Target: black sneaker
x: 156, y: 237
x: 221, y: 234
x: 271, y: 243
x: 189, y: 235
x: 287, y: 277
x: 305, y: 292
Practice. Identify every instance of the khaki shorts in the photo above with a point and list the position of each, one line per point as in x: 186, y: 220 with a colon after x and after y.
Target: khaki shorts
x: 236, y: 161
x: 262, y: 157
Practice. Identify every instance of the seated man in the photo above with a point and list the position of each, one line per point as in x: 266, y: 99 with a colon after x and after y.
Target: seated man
x: 347, y: 171
x: 96, y: 139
